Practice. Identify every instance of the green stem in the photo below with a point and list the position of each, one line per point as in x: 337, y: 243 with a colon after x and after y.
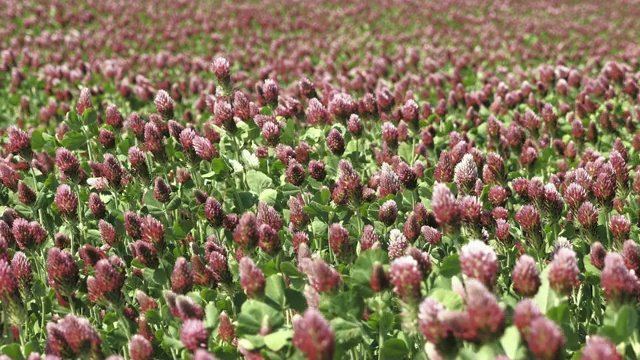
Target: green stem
x: 42, y: 314
x: 166, y: 214
x: 380, y: 328
x: 71, y: 306
x: 125, y: 351
x: 88, y: 143
x: 125, y: 324
x: 608, y: 228
x: 35, y: 181
x: 359, y: 224
x: 115, y: 200
x: 23, y: 335
x: 4, y: 320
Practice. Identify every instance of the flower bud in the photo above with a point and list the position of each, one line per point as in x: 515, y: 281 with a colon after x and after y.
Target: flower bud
x: 251, y: 278
x: 182, y: 276
x: 525, y: 276
x: 194, y: 335
x: 478, y: 260
x: 564, y: 272
x: 313, y: 335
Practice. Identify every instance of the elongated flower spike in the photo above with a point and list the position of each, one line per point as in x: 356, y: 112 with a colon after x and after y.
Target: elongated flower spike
x: 63, y: 274
x: 620, y: 228
x: 466, y: 174
x: 525, y: 276
x: 246, y: 233
x: 19, y: 142
x: 544, y: 338
x: 445, y: 170
x: 26, y: 195
x: 564, y: 272
x: 194, y: 335
x: 369, y: 238
x: 66, y: 201
x: 446, y: 208
x: 620, y: 285
x: 220, y: 68
x: 73, y: 337
x: 182, y: 276
x: 335, y: 142
x: 388, y: 212
x: 164, y: 104
x: 478, y: 260
x: 161, y: 190
x: 405, y: 276
x: 379, y: 279
x: 140, y: 348
x: 339, y: 241
x: 313, y: 335
x: 251, y: 278
x: 317, y: 170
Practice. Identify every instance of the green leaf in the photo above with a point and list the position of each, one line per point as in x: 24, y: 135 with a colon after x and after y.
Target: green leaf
x: 627, y: 321
x: 209, y: 175
x: 295, y: 300
x: 277, y: 340
x: 487, y: 352
x: 405, y: 150
x: 324, y: 196
x: 74, y: 140
x: 37, y: 141
x: 174, y: 203
x: 43, y: 199
x: 468, y: 354
x: 181, y: 227
x: 253, y: 313
x: 610, y: 332
x: 218, y: 166
x: 172, y: 342
x: 247, y: 344
x: 73, y: 121
x: 258, y: 181
x: 289, y: 190
x: 342, y: 304
x: 450, y: 266
x: 589, y: 268
x: 268, y: 196
x: 13, y: 351
x: 347, y: 333
x: 545, y: 295
x: 361, y: 271
x: 319, y: 228
x: 94, y: 235
x: 156, y: 276
x: 449, y: 298
x: 150, y: 200
x: 510, y: 341
x: 252, y: 342
x: 245, y: 200
x: 288, y: 133
x: 274, y: 290
x: 137, y: 263
x: 211, y: 315
x: 559, y: 314
x: 89, y: 117
x: 153, y: 316
x: 290, y: 270
x: 313, y: 133
x: 394, y: 349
